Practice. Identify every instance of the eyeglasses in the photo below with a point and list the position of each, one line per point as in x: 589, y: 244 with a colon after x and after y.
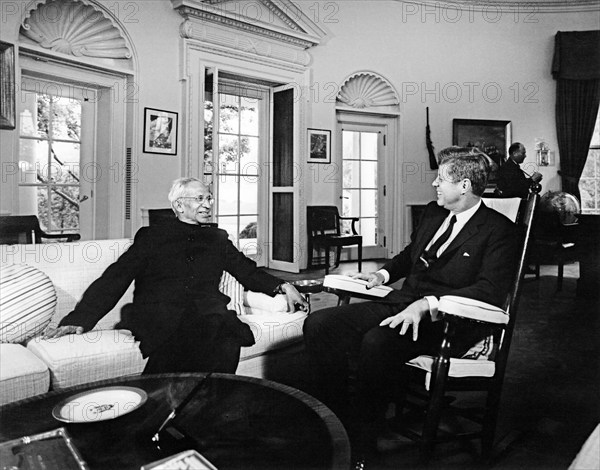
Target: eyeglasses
x: 200, y: 199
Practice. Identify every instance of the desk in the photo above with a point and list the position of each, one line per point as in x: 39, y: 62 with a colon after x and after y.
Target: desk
x: 238, y: 423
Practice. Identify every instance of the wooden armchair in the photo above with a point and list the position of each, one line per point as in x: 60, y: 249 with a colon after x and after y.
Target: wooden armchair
x: 476, y: 371
x: 325, y: 231
x: 17, y: 229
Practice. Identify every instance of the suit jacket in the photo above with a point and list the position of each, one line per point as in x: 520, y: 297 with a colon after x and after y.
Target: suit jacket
x: 177, y: 269
x: 512, y: 181
x: 479, y: 263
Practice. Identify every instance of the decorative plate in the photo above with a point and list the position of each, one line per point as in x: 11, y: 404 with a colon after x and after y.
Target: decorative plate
x: 100, y: 404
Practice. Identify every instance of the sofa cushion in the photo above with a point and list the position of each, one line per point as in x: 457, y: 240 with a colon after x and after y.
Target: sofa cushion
x: 273, y: 332
x: 22, y: 374
x: 27, y: 302
x: 95, y: 355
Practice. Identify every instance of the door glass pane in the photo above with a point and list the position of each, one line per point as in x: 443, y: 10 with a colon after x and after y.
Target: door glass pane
x: 66, y: 163
x: 229, y: 114
x: 248, y: 196
x: 368, y: 203
x: 249, y: 155
x: 64, y: 214
x: 368, y: 146
x: 248, y: 235
x: 368, y: 227
x: 33, y: 161
x: 228, y: 195
x: 368, y: 174
x: 351, y: 174
x: 66, y: 122
x: 228, y: 153
x: 350, y: 141
x: 249, y: 116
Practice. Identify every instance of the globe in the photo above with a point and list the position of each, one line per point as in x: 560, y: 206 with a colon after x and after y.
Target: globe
x: 564, y: 204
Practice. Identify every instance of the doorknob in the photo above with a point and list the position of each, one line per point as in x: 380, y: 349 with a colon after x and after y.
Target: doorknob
x: 83, y: 198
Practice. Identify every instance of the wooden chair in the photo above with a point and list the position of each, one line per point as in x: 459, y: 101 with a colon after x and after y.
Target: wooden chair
x: 325, y: 231
x: 161, y: 216
x: 445, y: 374
x: 556, y: 243
x: 438, y: 375
x: 16, y: 229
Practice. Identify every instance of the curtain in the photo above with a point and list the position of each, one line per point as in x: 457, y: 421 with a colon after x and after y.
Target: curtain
x: 576, y: 67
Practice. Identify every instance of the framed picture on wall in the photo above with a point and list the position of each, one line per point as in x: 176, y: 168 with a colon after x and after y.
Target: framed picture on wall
x: 319, y: 146
x: 491, y: 137
x: 160, y: 131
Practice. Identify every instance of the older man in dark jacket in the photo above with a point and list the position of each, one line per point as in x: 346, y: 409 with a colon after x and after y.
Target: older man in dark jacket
x: 178, y: 313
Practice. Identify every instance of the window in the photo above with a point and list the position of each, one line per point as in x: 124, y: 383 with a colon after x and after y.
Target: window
x: 589, y: 183
x: 50, y: 157
x: 235, y: 175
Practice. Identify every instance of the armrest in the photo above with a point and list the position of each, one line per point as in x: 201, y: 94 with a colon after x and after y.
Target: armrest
x: 472, y: 309
x: 354, y: 220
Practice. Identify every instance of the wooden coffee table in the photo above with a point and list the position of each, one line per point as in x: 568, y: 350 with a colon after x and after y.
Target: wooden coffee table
x: 236, y: 422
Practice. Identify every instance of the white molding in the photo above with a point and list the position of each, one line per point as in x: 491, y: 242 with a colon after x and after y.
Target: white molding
x: 76, y: 30
x: 301, y: 33
x: 513, y: 6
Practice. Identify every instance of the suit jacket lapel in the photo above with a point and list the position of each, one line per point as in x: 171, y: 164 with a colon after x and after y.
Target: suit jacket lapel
x: 428, y: 232
x: 470, y: 229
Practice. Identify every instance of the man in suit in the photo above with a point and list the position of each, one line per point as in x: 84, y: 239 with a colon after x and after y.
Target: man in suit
x: 512, y: 180
x: 178, y: 313
x: 460, y: 247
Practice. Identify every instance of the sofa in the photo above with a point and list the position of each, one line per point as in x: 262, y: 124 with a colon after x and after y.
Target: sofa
x: 40, y: 284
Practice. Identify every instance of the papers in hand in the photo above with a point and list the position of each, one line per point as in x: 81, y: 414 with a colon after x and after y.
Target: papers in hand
x: 347, y: 283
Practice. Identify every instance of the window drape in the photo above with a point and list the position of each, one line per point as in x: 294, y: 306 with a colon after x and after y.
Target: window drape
x: 576, y: 67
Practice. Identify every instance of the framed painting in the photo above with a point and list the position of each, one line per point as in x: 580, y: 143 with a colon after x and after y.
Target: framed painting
x: 7, y: 86
x: 319, y: 146
x: 160, y: 131
x: 491, y: 137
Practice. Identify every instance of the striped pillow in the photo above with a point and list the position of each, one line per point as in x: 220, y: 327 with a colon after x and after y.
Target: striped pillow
x: 231, y: 287
x: 27, y: 302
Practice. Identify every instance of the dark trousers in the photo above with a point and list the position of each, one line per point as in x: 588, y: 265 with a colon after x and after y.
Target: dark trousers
x: 200, y: 344
x: 337, y: 336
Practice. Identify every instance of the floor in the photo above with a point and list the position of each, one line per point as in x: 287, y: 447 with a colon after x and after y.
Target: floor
x: 550, y: 402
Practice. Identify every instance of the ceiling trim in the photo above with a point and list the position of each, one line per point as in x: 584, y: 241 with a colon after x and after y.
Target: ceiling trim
x: 512, y: 6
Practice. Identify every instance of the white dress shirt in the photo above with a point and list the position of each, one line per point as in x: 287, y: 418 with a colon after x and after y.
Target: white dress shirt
x: 461, y: 219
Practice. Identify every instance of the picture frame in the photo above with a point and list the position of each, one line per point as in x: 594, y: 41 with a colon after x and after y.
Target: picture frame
x: 493, y: 137
x: 7, y: 86
x: 160, y: 131
x: 319, y: 146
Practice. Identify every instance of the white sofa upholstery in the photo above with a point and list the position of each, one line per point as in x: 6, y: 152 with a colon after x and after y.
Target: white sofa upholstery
x: 39, y: 365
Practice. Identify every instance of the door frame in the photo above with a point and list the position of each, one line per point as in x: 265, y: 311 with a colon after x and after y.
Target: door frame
x: 112, y: 107
x: 387, y: 165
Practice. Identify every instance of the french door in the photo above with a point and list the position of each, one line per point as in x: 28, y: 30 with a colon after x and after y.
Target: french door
x: 57, y: 172
x: 364, y: 189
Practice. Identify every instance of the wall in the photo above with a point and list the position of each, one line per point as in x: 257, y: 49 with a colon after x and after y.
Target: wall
x: 492, y: 64
x: 472, y: 64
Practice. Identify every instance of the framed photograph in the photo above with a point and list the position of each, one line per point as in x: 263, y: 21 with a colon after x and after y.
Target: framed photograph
x: 492, y: 137
x: 160, y: 131
x: 319, y: 146
x: 7, y: 86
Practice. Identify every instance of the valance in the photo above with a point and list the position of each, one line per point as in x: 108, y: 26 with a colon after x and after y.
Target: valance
x: 576, y: 55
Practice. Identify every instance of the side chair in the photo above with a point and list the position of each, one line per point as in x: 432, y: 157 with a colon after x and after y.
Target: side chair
x: 325, y: 232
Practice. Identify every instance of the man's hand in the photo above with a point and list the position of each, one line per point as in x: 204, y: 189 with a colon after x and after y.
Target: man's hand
x: 61, y: 331
x: 373, y: 279
x: 293, y: 298
x: 411, y: 315
x: 536, y: 177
